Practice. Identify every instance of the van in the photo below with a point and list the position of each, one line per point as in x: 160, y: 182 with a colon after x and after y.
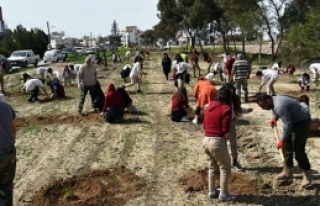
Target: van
x: 53, y: 56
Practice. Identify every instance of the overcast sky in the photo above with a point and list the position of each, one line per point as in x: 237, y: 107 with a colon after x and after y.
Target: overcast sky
x: 80, y: 17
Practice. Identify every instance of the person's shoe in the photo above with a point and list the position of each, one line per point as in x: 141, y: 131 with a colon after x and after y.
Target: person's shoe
x: 215, y: 194
x: 195, y: 121
x: 184, y: 119
x: 227, y: 197
x: 139, y: 91
x: 246, y: 98
x: 30, y: 100
x: 306, y: 179
x: 237, y: 166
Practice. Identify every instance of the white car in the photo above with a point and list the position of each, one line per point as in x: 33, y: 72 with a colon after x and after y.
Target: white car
x: 53, y: 56
x: 79, y: 50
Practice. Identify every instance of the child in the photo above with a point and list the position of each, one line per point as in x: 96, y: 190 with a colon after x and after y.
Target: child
x: 136, y: 73
x: 195, y: 63
x: 166, y: 65
x: 33, y: 86
x: 66, y: 76
x: 272, y: 76
x: 208, y: 59
x: 72, y: 73
x: 277, y: 66
x: 56, y: 88
x: 125, y: 72
x: 305, y: 82
x: 179, y: 105
x: 114, y: 59
x: 127, y: 101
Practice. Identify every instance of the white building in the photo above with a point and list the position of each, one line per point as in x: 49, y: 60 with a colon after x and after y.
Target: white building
x: 131, y: 35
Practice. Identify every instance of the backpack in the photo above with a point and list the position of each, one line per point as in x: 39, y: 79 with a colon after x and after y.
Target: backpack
x: 98, y: 97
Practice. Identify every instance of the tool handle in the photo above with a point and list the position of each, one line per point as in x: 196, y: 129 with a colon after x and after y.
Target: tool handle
x: 276, y: 133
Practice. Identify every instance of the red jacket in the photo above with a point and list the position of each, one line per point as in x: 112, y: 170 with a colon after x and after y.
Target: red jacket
x: 112, y: 98
x: 229, y: 64
x: 217, y: 118
x: 178, y: 105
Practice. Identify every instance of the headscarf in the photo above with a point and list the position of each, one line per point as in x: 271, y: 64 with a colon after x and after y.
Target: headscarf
x: 113, y: 98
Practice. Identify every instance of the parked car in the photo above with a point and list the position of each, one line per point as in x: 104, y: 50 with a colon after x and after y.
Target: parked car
x: 53, y: 56
x: 6, y: 62
x: 79, y: 50
x: 110, y: 47
x: 23, y: 58
x: 91, y: 50
x: 67, y: 51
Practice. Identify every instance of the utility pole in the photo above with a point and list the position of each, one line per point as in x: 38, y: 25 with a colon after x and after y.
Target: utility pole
x: 49, y: 35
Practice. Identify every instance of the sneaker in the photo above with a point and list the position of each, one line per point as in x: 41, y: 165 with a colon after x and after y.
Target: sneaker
x: 227, y: 197
x: 139, y: 91
x: 195, y: 121
x: 237, y: 166
x: 184, y: 119
x: 215, y: 194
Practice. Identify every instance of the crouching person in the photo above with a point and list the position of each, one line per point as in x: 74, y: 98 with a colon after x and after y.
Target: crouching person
x: 179, y: 105
x: 127, y: 101
x: 32, y: 86
x: 57, y: 89
x: 114, y: 102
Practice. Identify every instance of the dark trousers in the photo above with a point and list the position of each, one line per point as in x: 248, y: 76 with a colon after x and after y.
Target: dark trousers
x: 296, y: 143
x: 176, y: 116
x: 83, y: 94
x: 198, y: 110
x: 34, y: 94
x: 7, y: 173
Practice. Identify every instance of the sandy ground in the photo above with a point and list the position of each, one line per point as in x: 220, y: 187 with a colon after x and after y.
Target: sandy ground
x: 151, y: 145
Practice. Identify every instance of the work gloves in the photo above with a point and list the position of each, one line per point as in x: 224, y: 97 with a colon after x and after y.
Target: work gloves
x: 273, y: 122
x: 281, y: 144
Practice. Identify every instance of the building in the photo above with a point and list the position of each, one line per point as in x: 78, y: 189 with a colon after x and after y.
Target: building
x: 131, y: 36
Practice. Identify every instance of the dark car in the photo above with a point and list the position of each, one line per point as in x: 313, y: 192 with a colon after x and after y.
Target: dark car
x: 6, y: 62
x: 67, y: 51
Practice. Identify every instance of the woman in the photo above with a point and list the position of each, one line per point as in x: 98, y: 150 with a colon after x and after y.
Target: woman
x: 135, y: 74
x: 113, y: 101
x: 166, y: 64
x: 237, y: 111
x: 179, y: 105
x: 216, y: 124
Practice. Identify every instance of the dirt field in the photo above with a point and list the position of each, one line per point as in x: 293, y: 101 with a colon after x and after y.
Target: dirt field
x: 54, y: 143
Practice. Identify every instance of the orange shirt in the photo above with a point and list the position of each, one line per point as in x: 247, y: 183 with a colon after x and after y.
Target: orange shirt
x: 204, y: 92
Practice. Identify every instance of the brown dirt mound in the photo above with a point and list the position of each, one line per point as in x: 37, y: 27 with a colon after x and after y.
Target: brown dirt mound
x: 239, y: 184
x: 110, y: 187
x: 296, y: 93
x: 61, y: 119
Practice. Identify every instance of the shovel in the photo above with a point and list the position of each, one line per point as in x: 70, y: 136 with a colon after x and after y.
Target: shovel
x: 276, y: 133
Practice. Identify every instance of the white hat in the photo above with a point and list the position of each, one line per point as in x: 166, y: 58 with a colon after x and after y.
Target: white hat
x: 2, y: 98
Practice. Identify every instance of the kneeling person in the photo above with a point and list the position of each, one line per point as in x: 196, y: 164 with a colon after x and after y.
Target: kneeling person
x: 57, y: 89
x: 114, y: 102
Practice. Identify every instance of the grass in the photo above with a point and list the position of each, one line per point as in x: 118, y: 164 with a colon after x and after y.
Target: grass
x: 70, y: 195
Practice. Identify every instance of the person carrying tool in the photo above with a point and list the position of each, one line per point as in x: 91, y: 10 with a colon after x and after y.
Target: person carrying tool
x: 296, y: 124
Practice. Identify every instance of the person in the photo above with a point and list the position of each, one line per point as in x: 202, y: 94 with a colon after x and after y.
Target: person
x: 241, y: 71
x: 55, y: 74
x: 272, y: 76
x: 184, y: 56
x: 208, y: 59
x: 147, y: 54
x: 127, y: 101
x: 57, y: 89
x: 7, y: 153
x: 204, y: 92
x: 73, y: 73
x: 237, y: 111
x: 216, y: 126
x: 43, y: 72
x: 166, y: 65
x: 2, y: 70
x: 135, y: 74
x: 195, y: 62
x: 66, y: 76
x: 114, y: 102
x: 125, y: 72
x: 114, y: 59
x: 87, y: 79
x: 289, y: 70
x: 296, y: 120
x: 181, y: 72
x: 138, y: 52
x: 217, y: 69
x: 228, y: 67
x: 305, y: 82
x: 128, y: 56
x: 304, y: 102
x: 315, y: 70
x: 179, y: 105
x: 32, y: 85
x: 226, y: 57
x: 277, y: 66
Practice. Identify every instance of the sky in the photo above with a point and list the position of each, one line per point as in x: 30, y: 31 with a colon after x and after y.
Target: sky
x: 80, y: 17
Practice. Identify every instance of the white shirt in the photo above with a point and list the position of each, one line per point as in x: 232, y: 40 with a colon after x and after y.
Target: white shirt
x: 42, y: 70
x: 31, y: 84
x: 226, y: 57
x: 57, y: 74
x: 218, y: 67
x: 315, y: 68
x: 126, y: 66
x: 275, y: 66
x: 136, y: 70
x: 209, y: 76
x: 128, y: 54
x: 183, y: 67
x: 174, y: 64
x: 269, y: 74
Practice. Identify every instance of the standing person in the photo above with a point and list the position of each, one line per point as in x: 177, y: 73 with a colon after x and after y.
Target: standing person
x: 66, y: 76
x: 296, y: 119
x: 181, y: 72
x: 179, y: 105
x: 166, y: 65
x: 195, y: 62
x: 114, y: 102
x: 216, y: 125
x: 237, y: 111
x: 241, y: 71
x: 228, y: 68
x: 87, y: 79
x: 208, y: 59
x: 33, y: 86
x: 7, y: 153
x: 114, y: 57
x: 315, y: 70
x: 219, y: 70
x: 135, y: 74
x: 277, y: 66
x: 184, y: 56
x: 204, y: 92
x: 305, y: 82
x: 2, y: 69
x: 73, y: 73
x: 272, y: 76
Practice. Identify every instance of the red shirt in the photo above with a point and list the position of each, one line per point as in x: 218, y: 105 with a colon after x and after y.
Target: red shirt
x: 229, y: 64
x: 217, y: 118
x: 195, y: 58
x: 178, y: 105
x: 112, y: 98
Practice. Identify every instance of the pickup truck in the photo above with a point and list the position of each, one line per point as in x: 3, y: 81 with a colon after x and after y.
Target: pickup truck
x: 23, y: 58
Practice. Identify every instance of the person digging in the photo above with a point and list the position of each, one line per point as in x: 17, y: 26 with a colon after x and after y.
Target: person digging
x: 296, y: 124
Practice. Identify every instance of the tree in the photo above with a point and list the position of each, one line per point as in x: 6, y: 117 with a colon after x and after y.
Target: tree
x: 148, y: 36
x: 115, y: 37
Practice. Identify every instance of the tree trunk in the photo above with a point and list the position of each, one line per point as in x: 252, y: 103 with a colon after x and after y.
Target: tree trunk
x: 199, y: 40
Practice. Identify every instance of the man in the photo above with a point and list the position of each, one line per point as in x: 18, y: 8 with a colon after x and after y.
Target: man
x: 87, y: 79
x: 272, y: 76
x: 296, y: 125
x: 7, y: 153
x: 241, y: 72
x: 315, y: 70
